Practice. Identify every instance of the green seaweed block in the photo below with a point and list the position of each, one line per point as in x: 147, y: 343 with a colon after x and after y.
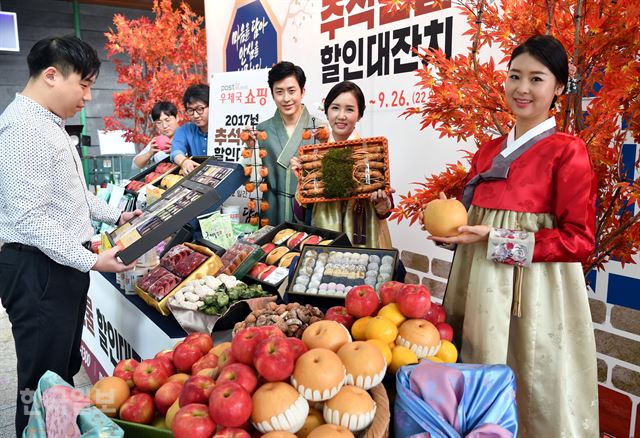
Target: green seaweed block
x: 337, y: 173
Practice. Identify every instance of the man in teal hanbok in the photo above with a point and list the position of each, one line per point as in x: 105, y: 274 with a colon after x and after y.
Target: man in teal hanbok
x: 284, y: 137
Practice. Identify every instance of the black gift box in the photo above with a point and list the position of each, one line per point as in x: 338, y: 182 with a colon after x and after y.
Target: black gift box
x: 204, y: 189
x: 324, y: 301
x: 142, y: 175
x: 336, y: 237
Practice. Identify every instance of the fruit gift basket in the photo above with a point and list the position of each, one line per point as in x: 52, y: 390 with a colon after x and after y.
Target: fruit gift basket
x: 343, y: 170
x: 380, y: 426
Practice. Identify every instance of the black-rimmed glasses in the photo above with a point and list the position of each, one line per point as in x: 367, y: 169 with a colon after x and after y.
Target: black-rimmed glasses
x: 198, y: 110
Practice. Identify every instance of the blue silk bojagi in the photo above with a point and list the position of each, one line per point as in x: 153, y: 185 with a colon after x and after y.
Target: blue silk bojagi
x: 436, y: 400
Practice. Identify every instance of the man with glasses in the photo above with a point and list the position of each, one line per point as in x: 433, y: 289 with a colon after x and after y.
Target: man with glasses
x: 191, y: 138
x: 165, y: 121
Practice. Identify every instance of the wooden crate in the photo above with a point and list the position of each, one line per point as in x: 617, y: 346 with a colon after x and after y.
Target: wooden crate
x: 319, y: 150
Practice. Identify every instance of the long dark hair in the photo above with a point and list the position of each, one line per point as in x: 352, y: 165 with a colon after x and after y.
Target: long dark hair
x: 345, y: 87
x: 550, y: 52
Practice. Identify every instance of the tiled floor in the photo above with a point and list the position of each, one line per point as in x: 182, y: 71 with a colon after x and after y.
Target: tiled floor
x: 8, y: 378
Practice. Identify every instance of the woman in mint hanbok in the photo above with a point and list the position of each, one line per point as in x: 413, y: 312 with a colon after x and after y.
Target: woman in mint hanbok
x: 364, y: 221
x: 516, y: 293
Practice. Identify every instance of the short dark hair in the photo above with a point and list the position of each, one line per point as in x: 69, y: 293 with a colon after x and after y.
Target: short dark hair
x: 345, y: 87
x: 163, y: 107
x: 550, y: 52
x: 284, y: 69
x: 67, y: 54
x: 197, y: 92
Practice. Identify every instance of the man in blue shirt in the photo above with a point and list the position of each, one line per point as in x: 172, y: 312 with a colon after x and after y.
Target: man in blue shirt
x: 191, y: 138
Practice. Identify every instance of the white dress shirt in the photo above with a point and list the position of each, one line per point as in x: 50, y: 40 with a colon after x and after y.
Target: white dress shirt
x: 44, y: 201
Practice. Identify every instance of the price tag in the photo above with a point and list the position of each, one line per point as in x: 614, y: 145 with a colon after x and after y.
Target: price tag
x: 277, y: 275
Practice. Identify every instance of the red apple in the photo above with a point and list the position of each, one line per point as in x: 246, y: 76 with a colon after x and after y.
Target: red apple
x: 209, y: 360
x: 125, y: 369
x: 138, y: 409
x: 388, y: 291
x: 202, y: 340
x: 230, y: 405
x: 297, y: 347
x: 167, y: 395
x: 168, y: 355
x: 193, y: 421
x: 244, y: 343
x: 196, y: 390
x: 445, y: 330
x: 340, y: 314
x: 271, y: 331
x: 273, y: 358
x: 232, y: 432
x: 149, y: 376
x: 185, y: 355
x: 165, y: 353
x: 241, y: 374
x: 436, y: 314
x: 167, y: 364
x: 414, y: 300
x: 362, y: 301
x: 225, y: 358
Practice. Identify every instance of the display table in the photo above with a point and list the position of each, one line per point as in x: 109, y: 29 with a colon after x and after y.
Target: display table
x: 119, y: 326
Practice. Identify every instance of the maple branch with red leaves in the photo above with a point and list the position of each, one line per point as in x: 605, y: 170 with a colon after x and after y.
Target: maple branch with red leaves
x: 165, y: 57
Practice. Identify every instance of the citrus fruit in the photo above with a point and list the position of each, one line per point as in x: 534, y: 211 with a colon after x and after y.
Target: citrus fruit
x: 448, y: 352
x: 383, y: 347
x: 381, y: 328
x: 432, y: 359
x: 391, y: 312
x: 359, y: 327
x: 401, y: 356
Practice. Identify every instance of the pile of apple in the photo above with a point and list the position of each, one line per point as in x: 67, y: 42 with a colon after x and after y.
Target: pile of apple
x: 198, y: 390
x: 377, y: 318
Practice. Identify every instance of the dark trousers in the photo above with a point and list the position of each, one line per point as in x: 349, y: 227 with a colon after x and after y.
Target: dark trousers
x: 46, y: 305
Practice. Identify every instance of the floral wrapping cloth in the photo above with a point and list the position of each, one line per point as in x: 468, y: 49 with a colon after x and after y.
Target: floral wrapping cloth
x: 511, y: 247
x: 455, y: 400
x: 59, y: 411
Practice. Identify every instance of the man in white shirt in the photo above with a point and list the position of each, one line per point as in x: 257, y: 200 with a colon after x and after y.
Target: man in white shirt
x: 45, y: 216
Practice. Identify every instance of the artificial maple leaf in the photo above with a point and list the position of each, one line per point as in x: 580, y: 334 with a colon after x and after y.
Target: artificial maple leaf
x: 466, y: 100
x: 166, y: 55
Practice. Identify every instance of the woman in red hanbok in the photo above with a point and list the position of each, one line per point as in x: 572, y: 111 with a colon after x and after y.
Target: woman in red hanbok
x: 516, y: 291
